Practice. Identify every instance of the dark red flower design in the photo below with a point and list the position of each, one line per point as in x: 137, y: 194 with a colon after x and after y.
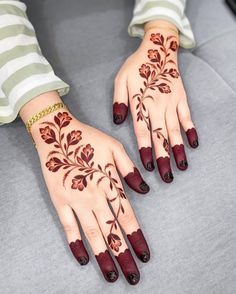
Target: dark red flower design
x: 157, y: 39
x: 62, y: 119
x: 154, y: 55
x: 79, y: 182
x: 114, y: 241
x: 73, y: 137
x: 174, y: 73
x: 54, y: 164
x: 144, y: 71
x: 87, y: 153
x: 166, y: 146
x: 48, y: 135
x: 164, y: 88
x: 173, y: 46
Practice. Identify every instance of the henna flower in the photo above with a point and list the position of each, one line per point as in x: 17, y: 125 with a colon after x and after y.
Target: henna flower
x: 54, y: 164
x: 62, y: 119
x: 79, y: 182
x: 154, y: 55
x: 73, y: 137
x: 157, y: 39
x: 173, y: 46
x: 164, y: 88
x: 174, y: 73
x: 48, y: 135
x: 87, y: 153
x: 114, y: 241
x: 144, y: 71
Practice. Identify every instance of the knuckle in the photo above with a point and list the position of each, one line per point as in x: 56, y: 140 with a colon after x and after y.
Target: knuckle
x: 141, y: 133
x: 92, y: 233
x: 69, y: 228
x: 127, y: 218
x: 174, y: 131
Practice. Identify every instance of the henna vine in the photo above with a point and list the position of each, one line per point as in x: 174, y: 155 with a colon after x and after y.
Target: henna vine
x: 165, y: 141
x: 70, y: 156
x: 155, y: 73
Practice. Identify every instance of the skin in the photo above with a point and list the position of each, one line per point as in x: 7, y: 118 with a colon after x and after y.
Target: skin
x: 82, y: 179
x: 159, y: 108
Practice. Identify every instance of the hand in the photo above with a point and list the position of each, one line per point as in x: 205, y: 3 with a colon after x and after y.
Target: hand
x: 80, y: 165
x: 151, y: 82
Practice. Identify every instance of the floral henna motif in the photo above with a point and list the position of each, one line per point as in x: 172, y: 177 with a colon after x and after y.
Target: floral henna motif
x: 78, y: 158
x: 165, y: 141
x: 156, y: 73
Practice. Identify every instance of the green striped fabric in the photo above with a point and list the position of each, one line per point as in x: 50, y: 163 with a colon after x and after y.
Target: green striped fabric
x: 24, y: 72
x: 170, y: 10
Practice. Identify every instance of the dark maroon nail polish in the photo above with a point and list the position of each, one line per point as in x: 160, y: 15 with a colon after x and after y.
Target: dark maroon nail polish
x: 139, y: 245
x: 146, y: 158
x: 180, y: 157
x: 192, y: 137
x: 133, y: 278
x: 134, y: 181
x: 164, y: 168
x: 120, y: 111
x: 107, y: 266
x: 128, y: 267
x: 79, y: 252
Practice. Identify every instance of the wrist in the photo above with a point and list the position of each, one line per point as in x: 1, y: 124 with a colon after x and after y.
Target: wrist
x: 160, y: 25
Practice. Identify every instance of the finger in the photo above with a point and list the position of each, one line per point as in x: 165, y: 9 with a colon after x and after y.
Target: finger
x: 160, y: 142
x: 127, y: 219
x: 117, y: 244
x: 142, y: 132
x: 176, y: 140
x: 129, y: 172
x: 98, y: 245
x: 120, y: 100
x: 187, y: 124
x: 73, y: 235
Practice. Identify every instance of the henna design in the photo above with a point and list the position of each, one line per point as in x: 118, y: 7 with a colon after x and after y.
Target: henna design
x: 79, y: 252
x: 135, y: 182
x: 180, y: 157
x: 165, y: 141
x: 139, y: 245
x: 156, y: 73
x: 164, y: 168
x: 128, y: 267
x: 68, y: 157
x: 120, y: 111
x: 107, y: 266
x: 192, y: 137
x: 146, y: 157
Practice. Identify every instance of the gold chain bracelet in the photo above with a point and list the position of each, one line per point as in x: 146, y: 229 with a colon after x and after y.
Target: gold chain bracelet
x: 43, y: 113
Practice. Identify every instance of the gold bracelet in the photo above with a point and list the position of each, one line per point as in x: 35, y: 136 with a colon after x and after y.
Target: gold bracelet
x: 162, y: 28
x: 43, y: 113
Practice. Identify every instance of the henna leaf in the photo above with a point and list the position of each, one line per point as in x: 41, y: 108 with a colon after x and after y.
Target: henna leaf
x: 99, y: 180
x: 122, y: 208
x: 110, y: 222
x: 66, y: 176
x: 53, y: 152
x: 111, y: 186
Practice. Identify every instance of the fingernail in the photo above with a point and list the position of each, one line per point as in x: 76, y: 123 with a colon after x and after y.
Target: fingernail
x: 150, y: 166
x: 120, y: 111
x: 168, y: 177
x: 133, y: 278
x: 145, y: 256
x: 144, y: 187
x: 183, y: 164
x: 146, y: 158
x: 112, y: 276
x: 83, y: 260
x: 195, y: 144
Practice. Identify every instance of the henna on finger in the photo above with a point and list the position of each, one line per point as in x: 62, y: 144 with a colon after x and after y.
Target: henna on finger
x: 180, y: 157
x: 164, y: 168
x: 79, y: 252
x: 192, y: 137
x: 146, y: 158
x: 120, y: 111
x: 139, y: 245
x: 128, y: 267
x: 135, y: 181
x: 107, y: 266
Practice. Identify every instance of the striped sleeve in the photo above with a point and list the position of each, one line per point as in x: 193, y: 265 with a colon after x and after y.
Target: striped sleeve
x: 170, y: 10
x: 24, y: 72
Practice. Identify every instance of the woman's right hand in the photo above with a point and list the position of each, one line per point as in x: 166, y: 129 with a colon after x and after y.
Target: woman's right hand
x: 80, y: 165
